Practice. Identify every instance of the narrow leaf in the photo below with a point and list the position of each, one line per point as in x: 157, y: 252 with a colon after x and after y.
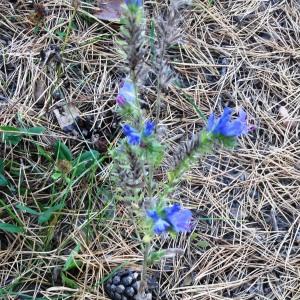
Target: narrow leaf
x: 68, y: 282
x: 70, y: 262
x: 62, y: 152
x: 11, y: 228
x: 27, y: 209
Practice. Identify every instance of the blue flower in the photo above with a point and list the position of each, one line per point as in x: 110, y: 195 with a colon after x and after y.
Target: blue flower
x: 173, y: 218
x: 224, y: 126
x: 148, y: 128
x: 159, y: 225
x: 134, y: 2
x: 179, y: 218
x: 134, y: 138
x: 126, y: 93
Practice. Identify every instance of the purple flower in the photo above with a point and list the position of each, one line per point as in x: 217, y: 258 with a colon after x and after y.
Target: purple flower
x: 179, y: 218
x: 121, y: 100
x: 134, y: 138
x: 159, y: 225
x: 126, y: 93
x: 224, y: 126
x: 134, y: 2
x: 172, y: 218
x: 148, y: 128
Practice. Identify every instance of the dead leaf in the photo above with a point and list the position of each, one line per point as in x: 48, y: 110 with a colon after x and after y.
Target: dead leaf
x: 172, y: 252
x: 109, y: 10
x: 40, y: 12
x: 51, y: 54
x: 288, y: 120
x: 39, y: 90
x: 67, y: 117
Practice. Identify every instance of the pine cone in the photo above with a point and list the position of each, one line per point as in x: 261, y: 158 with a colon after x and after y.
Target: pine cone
x: 124, y: 285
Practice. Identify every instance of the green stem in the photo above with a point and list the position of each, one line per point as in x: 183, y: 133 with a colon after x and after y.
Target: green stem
x: 143, y: 284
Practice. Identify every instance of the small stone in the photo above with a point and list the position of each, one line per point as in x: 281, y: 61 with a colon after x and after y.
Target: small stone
x: 117, y: 296
x: 135, y: 275
x: 57, y: 95
x: 130, y: 291
x: 135, y: 285
x: 124, y: 298
x: 120, y: 288
x: 127, y: 280
x: 113, y: 288
x: 116, y: 280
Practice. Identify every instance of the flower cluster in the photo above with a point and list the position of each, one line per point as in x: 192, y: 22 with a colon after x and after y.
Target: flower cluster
x: 172, y: 218
x: 225, y: 127
x: 134, y: 136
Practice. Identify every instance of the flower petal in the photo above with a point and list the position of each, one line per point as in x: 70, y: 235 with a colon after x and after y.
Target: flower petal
x: 127, y: 91
x: 160, y: 226
x: 181, y: 221
x: 134, y: 138
x: 149, y: 128
x: 210, y: 122
x: 179, y: 218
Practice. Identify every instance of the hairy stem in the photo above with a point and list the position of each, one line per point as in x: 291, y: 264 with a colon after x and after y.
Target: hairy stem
x: 143, y: 284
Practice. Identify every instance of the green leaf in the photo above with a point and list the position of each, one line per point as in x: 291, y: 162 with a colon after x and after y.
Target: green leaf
x: 11, y: 228
x: 27, y: 209
x: 70, y: 262
x: 62, y: 152
x: 202, y: 244
x: 68, y: 282
x: 1, y: 166
x: 85, y: 161
x: 35, y: 130
x: 10, y: 134
x: 44, y: 216
x: 56, y: 175
x: 14, y: 135
x: 42, y: 152
x: 156, y: 256
x: 228, y: 142
x: 154, y: 152
x: 3, y: 180
x: 61, y: 34
x: 47, y: 214
x: 9, y: 129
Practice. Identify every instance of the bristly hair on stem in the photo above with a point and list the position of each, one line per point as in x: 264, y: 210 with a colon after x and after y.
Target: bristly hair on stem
x: 168, y: 33
x: 132, y: 42
x: 186, y: 156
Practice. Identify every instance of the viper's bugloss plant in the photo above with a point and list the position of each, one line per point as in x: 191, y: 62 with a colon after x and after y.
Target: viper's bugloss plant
x: 140, y: 152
